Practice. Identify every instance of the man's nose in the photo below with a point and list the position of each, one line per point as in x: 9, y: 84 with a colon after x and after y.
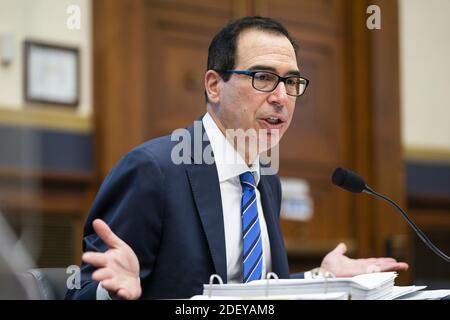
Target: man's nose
x: 279, y: 94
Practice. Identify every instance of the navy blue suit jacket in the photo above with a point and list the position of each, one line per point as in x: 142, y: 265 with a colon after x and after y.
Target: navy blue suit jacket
x: 171, y: 216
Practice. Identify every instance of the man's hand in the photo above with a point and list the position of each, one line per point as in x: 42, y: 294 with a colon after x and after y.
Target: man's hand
x: 118, y: 267
x: 342, y: 266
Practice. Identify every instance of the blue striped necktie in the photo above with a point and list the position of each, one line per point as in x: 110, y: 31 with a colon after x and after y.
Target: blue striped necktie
x: 251, y: 231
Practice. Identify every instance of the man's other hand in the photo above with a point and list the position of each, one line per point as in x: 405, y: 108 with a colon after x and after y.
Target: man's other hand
x: 118, y: 267
x: 342, y: 266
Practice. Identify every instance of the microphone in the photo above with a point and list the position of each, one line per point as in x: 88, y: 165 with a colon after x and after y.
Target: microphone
x: 352, y: 182
x: 348, y: 180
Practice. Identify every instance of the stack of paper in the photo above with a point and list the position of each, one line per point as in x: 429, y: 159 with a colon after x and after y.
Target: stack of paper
x: 310, y: 296
x: 399, y: 292
x: 372, y: 286
x: 426, y: 295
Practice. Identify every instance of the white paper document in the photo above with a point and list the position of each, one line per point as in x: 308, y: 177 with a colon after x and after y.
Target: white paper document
x: 311, y: 296
x: 426, y: 295
x: 398, y: 292
x: 371, y: 286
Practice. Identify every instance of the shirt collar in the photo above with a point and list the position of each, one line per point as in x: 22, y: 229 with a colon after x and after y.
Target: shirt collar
x: 228, y: 161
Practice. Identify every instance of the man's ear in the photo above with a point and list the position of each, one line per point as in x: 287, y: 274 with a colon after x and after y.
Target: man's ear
x: 213, y: 86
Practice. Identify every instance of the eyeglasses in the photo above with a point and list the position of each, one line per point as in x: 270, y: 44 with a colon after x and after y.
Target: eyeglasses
x: 266, y: 81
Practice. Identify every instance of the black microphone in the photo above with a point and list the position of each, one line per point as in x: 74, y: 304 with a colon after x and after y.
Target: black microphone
x: 352, y: 182
x: 348, y: 180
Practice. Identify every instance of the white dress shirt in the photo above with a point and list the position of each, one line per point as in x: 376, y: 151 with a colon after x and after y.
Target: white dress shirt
x: 230, y: 165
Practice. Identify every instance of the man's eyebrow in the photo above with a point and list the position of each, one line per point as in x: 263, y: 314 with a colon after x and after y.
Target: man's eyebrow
x: 271, y: 69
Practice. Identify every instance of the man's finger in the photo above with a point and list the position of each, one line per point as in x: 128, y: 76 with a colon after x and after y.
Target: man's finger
x: 366, y: 261
x: 402, y: 266
x: 396, y: 266
x: 128, y: 294
x: 340, y: 248
x: 377, y: 261
x: 124, y: 294
x: 96, y: 259
x: 387, y: 266
x: 105, y: 233
x: 102, y: 274
x: 110, y: 285
x: 386, y: 260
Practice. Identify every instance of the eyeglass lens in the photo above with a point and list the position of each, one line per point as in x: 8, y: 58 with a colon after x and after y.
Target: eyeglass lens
x: 265, y: 81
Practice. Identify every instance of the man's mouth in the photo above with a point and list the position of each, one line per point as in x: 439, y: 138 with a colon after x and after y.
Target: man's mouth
x: 272, y: 122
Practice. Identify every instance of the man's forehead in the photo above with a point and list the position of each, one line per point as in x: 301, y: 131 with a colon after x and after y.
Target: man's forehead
x: 261, y: 47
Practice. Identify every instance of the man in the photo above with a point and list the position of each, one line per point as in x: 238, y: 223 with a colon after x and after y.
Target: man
x: 169, y: 225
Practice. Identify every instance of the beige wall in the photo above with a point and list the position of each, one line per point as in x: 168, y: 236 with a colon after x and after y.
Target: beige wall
x: 425, y: 72
x: 44, y: 20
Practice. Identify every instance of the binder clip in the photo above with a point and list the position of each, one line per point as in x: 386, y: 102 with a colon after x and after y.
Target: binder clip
x: 270, y: 275
x: 211, y: 280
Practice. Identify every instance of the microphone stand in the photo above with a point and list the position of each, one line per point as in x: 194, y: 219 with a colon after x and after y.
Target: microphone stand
x: 419, y: 232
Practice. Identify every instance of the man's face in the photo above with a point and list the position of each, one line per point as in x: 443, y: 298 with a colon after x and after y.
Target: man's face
x: 242, y: 106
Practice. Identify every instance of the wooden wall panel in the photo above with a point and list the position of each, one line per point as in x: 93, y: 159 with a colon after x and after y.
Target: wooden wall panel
x: 389, y: 174
x: 119, y: 79
x: 316, y: 128
x: 177, y: 46
x: 377, y: 152
x: 320, y: 15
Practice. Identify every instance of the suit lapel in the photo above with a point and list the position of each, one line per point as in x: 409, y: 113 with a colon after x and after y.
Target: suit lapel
x: 205, y: 187
x: 278, y: 252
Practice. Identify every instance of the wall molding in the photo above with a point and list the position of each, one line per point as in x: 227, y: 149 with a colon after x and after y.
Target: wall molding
x: 429, y: 155
x: 46, y: 117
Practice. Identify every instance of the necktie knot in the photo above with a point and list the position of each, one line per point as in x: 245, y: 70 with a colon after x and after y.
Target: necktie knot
x: 247, y: 180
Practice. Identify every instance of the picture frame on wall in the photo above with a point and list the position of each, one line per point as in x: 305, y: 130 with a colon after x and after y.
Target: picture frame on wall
x: 51, y: 74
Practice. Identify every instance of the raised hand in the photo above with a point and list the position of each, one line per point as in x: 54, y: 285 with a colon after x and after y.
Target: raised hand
x: 342, y: 266
x: 118, y: 267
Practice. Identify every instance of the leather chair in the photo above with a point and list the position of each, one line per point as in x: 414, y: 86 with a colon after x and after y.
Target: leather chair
x: 45, y: 283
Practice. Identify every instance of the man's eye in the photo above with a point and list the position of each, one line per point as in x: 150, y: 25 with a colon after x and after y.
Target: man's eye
x: 292, y: 82
x: 262, y: 77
